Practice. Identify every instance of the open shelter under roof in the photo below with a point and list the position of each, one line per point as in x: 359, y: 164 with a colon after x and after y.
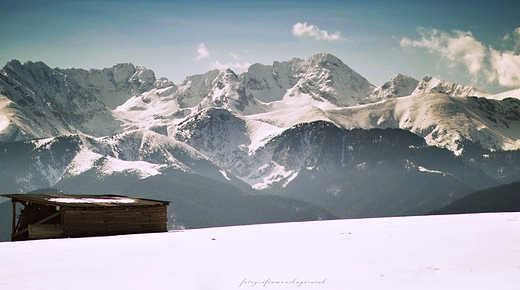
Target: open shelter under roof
x: 61, y: 215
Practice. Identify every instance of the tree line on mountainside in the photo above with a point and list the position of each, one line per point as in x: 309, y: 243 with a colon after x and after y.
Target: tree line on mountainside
x: 503, y: 198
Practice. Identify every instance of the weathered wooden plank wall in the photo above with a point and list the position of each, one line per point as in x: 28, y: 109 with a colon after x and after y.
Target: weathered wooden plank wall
x: 79, y: 221
x: 45, y: 231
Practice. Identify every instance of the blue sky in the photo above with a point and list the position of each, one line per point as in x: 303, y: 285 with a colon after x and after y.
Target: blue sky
x: 468, y: 42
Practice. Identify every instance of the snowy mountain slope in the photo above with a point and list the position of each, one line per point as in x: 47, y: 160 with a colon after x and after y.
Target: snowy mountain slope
x: 434, y: 85
x: 42, y: 102
x: 216, y: 89
x: 509, y: 94
x: 398, y: 86
x: 114, y: 86
x: 28, y: 165
x: 229, y: 93
x: 474, y: 251
x: 219, y: 134
x: 275, y: 161
x: 293, y: 116
x: 322, y: 81
x: 349, y: 172
x: 442, y: 120
x: 323, y: 88
x: 17, y: 126
x: 236, y: 143
x: 155, y: 110
x: 151, y: 147
x: 195, y: 88
x: 269, y: 83
x: 323, y: 78
x: 163, y: 108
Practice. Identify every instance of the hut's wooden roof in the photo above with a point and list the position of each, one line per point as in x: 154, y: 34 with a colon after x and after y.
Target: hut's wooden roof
x: 82, y: 200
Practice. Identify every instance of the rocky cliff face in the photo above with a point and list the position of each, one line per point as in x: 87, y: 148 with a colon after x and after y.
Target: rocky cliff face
x: 42, y: 102
x: 114, y: 86
x: 322, y: 77
x: 399, y: 86
x: 434, y: 85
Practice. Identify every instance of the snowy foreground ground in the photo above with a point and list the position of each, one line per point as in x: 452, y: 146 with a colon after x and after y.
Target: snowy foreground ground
x: 478, y: 251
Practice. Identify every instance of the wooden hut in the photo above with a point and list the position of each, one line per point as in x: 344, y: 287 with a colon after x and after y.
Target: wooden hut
x: 43, y: 216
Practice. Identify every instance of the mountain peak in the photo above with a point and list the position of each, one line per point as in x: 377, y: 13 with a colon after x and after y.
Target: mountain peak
x: 13, y: 63
x: 327, y: 60
x: 398, y: 86
x: 325, y: 56
x: 400, y: 77
x: 325, y: 77
x: 16, y: 67
x: 431, y: 84
x: 230, y: 75
x: 322, y: 79
x: 48, y: 102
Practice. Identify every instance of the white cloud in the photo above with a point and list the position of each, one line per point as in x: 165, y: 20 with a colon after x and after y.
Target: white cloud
x: 461, y: 48
x: 515, y: 38
x: 203, y: 52
x: 506, y: 66
x: 233, y: 66
x: 303, y: 30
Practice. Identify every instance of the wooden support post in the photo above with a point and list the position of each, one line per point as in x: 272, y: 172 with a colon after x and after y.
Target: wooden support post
x: 37, y: 223
x: 13, y: 222
x: 19, y: 222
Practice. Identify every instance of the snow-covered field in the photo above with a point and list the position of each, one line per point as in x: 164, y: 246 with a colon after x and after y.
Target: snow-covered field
x: 477, y: 251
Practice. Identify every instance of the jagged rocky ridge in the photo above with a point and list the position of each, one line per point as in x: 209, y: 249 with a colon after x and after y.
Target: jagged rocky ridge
x: 37, y: 101
x: 312, y: 129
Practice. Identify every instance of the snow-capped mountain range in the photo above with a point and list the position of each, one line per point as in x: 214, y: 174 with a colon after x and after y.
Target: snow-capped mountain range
x: 267, y: 127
